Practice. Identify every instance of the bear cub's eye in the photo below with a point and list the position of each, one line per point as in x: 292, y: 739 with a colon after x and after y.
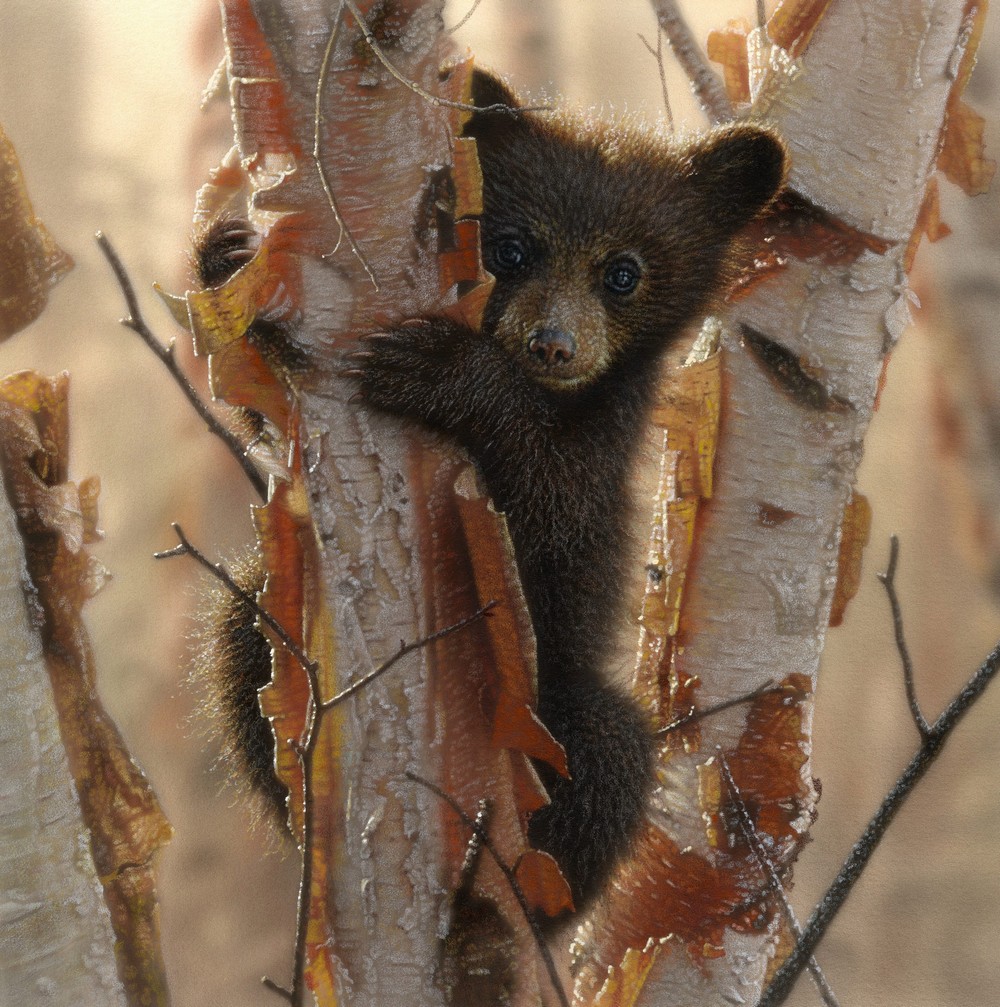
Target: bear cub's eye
x: 507, y: 255
x: 622, y: 276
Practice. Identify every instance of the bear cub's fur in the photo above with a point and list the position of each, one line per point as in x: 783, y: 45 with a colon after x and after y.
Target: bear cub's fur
x: 605, y: 244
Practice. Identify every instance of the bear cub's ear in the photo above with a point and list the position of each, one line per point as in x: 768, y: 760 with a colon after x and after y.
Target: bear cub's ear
x: 493, y: 128
x: 740, y: 169
x: 489, y: 89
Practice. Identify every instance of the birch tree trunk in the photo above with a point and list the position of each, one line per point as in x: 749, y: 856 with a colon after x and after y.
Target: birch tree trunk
x: 364, y: 192
x: 802, y: 357
x: 56, y: 937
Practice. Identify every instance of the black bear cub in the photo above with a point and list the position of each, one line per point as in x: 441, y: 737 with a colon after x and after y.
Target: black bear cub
x: 605, y: 244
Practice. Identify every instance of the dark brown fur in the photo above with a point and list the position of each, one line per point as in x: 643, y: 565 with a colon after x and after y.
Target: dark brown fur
x: 232, y: 661
x: 550, y: 400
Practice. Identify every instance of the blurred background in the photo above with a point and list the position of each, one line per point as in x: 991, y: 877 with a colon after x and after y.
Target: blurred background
x: 101, y: 100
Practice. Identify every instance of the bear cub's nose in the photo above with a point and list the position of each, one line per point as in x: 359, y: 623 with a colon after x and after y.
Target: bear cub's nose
x: 552, y: 346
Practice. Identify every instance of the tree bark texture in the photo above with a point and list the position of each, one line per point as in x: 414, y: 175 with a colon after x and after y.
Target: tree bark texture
x: 862, y: 110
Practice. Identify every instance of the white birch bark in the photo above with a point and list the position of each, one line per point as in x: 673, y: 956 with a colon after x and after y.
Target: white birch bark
x: 56, y: 940
x: 862, y: 120
x: 381, y: 144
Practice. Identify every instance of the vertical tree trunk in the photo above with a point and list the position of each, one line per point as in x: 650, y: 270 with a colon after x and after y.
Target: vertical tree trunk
x: 803, y: 354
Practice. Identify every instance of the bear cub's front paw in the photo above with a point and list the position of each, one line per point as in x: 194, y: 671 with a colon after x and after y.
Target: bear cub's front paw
x: 409, y: 369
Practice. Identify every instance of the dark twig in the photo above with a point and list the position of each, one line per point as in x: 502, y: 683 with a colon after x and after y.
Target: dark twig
x: 708, y: 87
x: 471, y: 11
x: 657, y: 54
x: 888, y: 580
x: 321, y: 170
x: 781, y: 985
x: 135, y: 322
x: 767, y: 689
x: 761, y: 16
x: 404, y: 649
x: 435, y: 99
x: 218, y: 571
x: 473, y: 825
x: 749, y: 830
x: 276, y: 988
x: 474, y: 847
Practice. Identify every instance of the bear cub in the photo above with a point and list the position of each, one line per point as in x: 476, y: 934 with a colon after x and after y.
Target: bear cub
x: 605, y: 244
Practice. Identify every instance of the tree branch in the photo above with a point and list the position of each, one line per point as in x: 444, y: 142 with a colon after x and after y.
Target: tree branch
x: 784, y: 979
x: 767, y: 689
x: 657, y: 54
x: 137, y: 324
x: 706, y: 83
x: 888, y: 580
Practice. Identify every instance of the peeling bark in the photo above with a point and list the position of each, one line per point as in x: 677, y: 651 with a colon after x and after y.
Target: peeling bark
x: 55, y: 930
x: 803, y: 353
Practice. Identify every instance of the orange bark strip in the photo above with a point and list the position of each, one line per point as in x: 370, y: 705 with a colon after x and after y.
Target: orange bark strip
x: 542, y: 883
x: 767, y: 767
x: 258, y: 90
x: 462, y: 262
x: 929, y: 223
x: 795, y: 227
x: 962, y: 156
x: 468, y: 178
x: 855, y: 532
x: 728, y: 47
x: 284, y: 701
x: 295, y: 599
x: 57, y: 520
x: 666, y: 891
x: 689, y: 419
x: 240, y: 376
x: 800, y: 228
x: 624, y: 983
x: 30, y: 260
x: 510, y: 638
x: 793, y: 23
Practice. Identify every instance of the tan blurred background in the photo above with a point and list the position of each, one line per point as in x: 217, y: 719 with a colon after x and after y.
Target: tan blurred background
x: 101, y: 100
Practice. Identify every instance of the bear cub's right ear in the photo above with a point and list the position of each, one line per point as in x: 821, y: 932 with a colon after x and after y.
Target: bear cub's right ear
x: 738, y: 169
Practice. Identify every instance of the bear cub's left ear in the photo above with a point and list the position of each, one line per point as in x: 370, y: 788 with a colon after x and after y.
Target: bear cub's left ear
x: 740, y: 169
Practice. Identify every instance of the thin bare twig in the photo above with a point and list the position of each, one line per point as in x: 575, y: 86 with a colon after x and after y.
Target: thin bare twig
x: 657, y: 54
x: 435, y: 99
x: 761, y: 16
x: 749, y: 830
x: 508, y: 872
x: 218, y: 571
x: 888, y: 580
x: 823, y: 915
x: 137, y: 324
x: 404, y: 649
x: 471, y: 11
x: 274, y: 987
x: 321, y: 170
x: 767, y: 689
x: 706, y: 83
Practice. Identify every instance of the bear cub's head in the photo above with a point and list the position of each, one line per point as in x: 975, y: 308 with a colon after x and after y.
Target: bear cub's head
x: 605, y: 241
